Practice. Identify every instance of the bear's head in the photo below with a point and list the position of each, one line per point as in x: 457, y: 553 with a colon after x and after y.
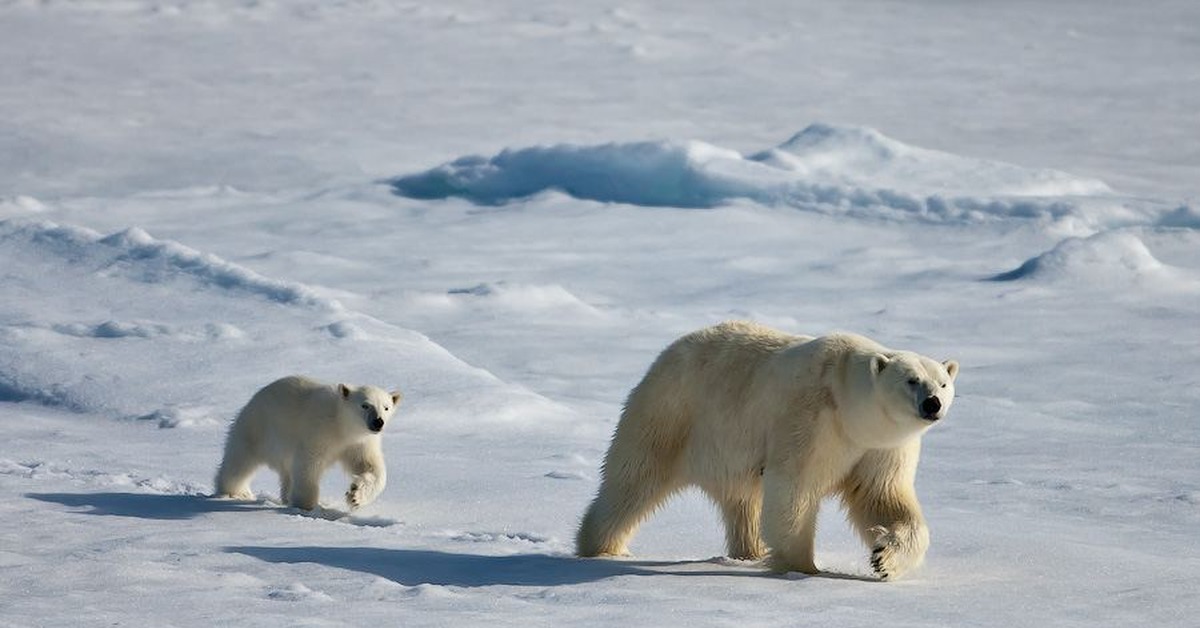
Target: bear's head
x: 908, y: 393
x: 915, y: 390
x: 374, y: 406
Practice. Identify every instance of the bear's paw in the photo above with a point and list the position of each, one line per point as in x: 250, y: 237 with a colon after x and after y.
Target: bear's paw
x: 895, y: 552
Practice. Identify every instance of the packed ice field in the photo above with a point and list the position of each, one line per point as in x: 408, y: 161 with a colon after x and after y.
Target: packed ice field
x: 506, y: 210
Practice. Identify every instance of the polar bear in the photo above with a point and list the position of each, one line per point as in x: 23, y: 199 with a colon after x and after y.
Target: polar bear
x: 767, y: 424
x: 299, y: 427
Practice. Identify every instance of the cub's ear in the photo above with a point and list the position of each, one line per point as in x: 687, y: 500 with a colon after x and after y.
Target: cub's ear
x: 345, y: 390
x: 396, y: 397
x: 878, y: 363
x: 951, y: 368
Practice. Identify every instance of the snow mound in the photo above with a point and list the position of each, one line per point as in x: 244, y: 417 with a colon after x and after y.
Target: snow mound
x: 824, y: 168
x: 127, y: 325
x: 1104, y: 259
x: 525, y: 297
x: 863, y: 157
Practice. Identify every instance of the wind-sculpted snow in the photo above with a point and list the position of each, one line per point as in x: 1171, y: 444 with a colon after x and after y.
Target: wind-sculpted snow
x: 136, y: 326
x: 137, y: 255
x: 157, y: 259
x: 825, y: 168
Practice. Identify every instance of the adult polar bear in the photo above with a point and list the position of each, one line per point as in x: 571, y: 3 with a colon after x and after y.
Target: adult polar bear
x: 768, y: 424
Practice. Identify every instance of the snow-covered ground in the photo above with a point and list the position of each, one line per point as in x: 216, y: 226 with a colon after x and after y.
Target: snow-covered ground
x: 506, y: 209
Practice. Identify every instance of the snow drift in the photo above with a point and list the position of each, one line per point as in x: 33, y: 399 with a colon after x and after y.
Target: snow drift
x: 824, y: 167
x: 129, y: 307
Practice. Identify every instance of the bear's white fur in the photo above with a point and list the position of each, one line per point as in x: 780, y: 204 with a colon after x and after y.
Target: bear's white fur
x: 768, y: 424
x: 299, y: 427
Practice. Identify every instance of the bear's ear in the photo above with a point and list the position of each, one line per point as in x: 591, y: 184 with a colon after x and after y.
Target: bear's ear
x: 345, y: 390
x: 878, y: 363
x: 396, y: 397
x: 951, y: 368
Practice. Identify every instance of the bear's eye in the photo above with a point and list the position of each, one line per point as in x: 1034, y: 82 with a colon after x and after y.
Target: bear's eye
x: 366, y: 406
x: 943, y: 385
x: 912, y: 381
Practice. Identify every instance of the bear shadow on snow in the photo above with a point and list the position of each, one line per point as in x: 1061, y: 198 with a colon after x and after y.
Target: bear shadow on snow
x: 146, y: 505
x: 178, y: 507
x: 417, y: 567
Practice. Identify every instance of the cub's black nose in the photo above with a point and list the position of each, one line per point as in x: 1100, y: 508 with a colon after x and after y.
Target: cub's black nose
x: 930, y: 407
x: 376, y: 425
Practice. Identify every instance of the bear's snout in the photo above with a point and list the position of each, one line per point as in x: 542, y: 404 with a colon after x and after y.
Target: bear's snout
x: 930, y: 408
x: 376, y: 424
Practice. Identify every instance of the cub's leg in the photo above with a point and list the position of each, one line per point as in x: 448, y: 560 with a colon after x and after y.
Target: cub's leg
x: 285, y: 483
x: 306, y: 481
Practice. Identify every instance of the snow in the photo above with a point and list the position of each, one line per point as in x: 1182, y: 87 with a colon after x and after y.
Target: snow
x: 823, y: 168
x: 506, y: 210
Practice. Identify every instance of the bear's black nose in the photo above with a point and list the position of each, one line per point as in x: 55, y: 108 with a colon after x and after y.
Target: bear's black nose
x: 376, y: 425
x: 930, y: 407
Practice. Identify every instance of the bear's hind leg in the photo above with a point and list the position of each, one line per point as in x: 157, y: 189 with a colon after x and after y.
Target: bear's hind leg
x: 743, y: 515
x: 237, y: 467
x: 614, y: 516
x: 641, y: 469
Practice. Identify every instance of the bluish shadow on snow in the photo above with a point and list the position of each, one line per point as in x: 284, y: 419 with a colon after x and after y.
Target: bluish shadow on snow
x: 145, y: 505
x: 54, y: 396
x: 429, y: 567
x: 417, y: 567
x: 656, y: 174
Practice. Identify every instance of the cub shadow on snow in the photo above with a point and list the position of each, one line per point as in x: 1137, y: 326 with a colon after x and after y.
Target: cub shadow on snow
x: 147, y: 505
x: 417, y: 567
x: 177, y: 507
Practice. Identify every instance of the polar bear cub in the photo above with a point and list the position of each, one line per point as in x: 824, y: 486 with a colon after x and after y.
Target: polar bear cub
x: 299, y: 427
x: 768, y: 424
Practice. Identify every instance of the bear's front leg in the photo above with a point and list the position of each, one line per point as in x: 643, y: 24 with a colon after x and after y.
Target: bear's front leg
x: 898, y: 549
x: 368, y: 472
x: 789, y: 523
x: 883, y: 507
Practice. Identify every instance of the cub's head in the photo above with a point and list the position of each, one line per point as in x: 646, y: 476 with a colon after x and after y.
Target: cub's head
x: 374, y: 405
x: 914, y: 387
